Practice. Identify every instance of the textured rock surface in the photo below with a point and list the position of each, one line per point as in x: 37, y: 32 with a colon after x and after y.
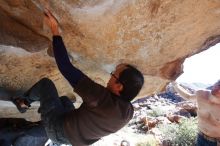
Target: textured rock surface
x: 154, y: 35
x: 9, y: 110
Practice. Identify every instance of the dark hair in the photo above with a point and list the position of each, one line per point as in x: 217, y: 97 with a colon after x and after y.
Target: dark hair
x: 132, y: 80
x: 218, y: 82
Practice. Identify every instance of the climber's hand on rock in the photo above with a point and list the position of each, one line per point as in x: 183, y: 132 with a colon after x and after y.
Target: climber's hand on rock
x: 51, y: 22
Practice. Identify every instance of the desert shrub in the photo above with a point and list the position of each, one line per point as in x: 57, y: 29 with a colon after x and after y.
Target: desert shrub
x: 183, y: 134
x: 147, y: 140
x: 156, y: 112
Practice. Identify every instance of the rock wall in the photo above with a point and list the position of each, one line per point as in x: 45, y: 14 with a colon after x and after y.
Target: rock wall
x: 154, y: 35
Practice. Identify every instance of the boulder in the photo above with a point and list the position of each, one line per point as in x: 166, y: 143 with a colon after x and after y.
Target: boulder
x: 154, y: 35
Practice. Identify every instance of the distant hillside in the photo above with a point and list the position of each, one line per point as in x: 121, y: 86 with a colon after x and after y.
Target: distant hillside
x: 196, y: 86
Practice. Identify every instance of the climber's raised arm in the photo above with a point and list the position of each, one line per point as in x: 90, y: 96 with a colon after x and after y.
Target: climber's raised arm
x: 183, y: 92
x: 71, y: 73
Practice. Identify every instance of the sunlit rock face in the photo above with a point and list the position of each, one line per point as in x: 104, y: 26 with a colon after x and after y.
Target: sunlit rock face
x: 153, y: 35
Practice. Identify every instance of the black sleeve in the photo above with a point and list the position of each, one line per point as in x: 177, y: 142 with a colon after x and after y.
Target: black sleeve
x: 71, y: 73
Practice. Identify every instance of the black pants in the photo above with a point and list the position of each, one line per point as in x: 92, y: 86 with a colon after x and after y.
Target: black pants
x: 52, y: 108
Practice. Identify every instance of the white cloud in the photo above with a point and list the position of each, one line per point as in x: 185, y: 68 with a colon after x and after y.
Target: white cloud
x: 203, y: 67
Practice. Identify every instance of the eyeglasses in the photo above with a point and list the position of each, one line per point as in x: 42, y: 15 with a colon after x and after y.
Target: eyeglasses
x: 116, y: 78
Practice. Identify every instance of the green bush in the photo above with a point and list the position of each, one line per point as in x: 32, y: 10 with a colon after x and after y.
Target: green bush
x: 156, y: 112
x: 147, y: 140
x: 183, y: 134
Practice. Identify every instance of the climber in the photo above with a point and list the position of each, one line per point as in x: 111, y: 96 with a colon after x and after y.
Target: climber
x: 208, y: 113
x: 104, y: 110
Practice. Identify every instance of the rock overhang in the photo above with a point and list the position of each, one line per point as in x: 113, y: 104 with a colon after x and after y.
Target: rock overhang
x: 155, y: 36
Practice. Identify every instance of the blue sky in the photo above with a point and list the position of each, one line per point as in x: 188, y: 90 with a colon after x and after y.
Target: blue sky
x: 203, y: 67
